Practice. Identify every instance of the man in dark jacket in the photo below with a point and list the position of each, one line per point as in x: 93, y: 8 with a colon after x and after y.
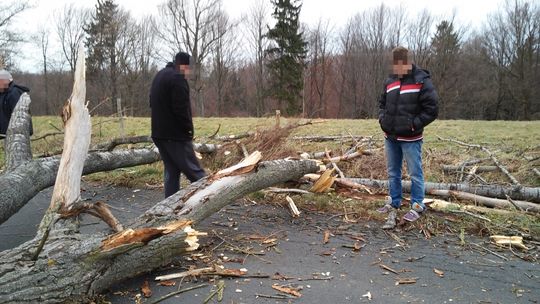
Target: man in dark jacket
x: 9, y: 96
x: 407, y: 105
x: 172, y: 124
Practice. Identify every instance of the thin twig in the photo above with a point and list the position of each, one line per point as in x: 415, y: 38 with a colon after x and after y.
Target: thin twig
x: 491, y: 251
x: 471, y: 214
x: 513, y: 203
x: 279, y: 297
x: 316, y: 279
x: 286, y: 190
x: 47, y: 135
x: 55, y: 127
x: 172, y: 294
x: 247, y: 252
x: 215, y: 133
x: 334, y: 164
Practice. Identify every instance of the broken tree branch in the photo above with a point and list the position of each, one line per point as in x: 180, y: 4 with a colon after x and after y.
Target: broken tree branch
x: 479, y: 169
x: 491, y: 155
x: 496, y: 191
x: 487, y: 201
x: 356, y: 138
x: 110, y: 145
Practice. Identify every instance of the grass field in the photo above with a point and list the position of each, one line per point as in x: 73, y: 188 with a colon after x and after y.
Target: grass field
x: 513, y: 142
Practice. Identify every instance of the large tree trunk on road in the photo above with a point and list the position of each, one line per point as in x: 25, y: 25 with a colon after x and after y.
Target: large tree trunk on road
x: 73, y: 266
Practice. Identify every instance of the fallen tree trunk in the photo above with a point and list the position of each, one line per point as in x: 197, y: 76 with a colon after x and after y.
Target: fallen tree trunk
x: 24, y: 182
x: 488, y: 201
x: 85, y: 266
x: 496, y: 191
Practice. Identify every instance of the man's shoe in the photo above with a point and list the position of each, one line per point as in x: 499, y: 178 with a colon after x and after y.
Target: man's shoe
x: 391, y: 220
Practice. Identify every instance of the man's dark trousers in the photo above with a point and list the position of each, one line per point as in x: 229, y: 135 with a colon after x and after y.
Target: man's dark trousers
x: 178, y: 157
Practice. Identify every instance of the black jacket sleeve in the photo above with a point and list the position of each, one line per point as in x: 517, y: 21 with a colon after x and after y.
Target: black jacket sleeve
x: 12, y: 100
x: 382, y: 102
x: 180, y: 103
x: 429, y: 105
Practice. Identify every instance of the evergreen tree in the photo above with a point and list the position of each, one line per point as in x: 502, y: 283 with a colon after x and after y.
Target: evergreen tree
x: 102, y: 34
x: 286, y: 56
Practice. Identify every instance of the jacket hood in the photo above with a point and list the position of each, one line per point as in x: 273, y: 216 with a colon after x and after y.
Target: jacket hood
x: 417, y: 73
x: 20, y: 87
x: 420, y: 74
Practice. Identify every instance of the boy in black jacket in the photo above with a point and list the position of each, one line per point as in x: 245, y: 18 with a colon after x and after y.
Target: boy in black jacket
x: 407, y: 105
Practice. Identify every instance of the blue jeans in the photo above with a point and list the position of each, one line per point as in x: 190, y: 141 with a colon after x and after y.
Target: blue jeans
x: 412, y: 152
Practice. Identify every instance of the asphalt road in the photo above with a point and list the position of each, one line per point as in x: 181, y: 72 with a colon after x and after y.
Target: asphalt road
x: 293, y: 254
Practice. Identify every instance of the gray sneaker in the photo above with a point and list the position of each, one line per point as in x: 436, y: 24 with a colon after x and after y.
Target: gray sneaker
x: 391, y: 220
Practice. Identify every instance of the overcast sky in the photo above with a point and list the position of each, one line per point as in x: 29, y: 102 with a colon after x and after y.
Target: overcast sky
x: 471, y: 13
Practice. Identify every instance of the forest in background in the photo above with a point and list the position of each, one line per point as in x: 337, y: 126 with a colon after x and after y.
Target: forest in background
x: 490, y: 73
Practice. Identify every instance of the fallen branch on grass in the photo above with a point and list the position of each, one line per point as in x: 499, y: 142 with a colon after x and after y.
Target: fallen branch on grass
x: 491, y: 155
x: 110, y: 145
x: 356, y: 138
x: 495, y: 191
x: 47, y: 135
x: 487, y: 201
x: 479, y: 169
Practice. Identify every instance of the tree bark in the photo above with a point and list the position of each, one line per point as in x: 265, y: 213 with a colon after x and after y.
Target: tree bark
x: 496, y: 191
x: 18, y: 134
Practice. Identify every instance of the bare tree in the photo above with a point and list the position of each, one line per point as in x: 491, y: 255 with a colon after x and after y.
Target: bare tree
x: 349, y: 67
x: 257, y: 26
x: 69, y: 24
x: 419, y: 35
x: 398, y: 26
x: 137, y: 63
x: 189, y: 25
x: 224, y: 56
x: 374, y: 36
x: 42, y: 40
x: 511, y: 45
x: 319, y: 61
x: 9, y: 38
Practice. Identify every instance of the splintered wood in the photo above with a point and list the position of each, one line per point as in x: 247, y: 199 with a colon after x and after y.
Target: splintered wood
x: 516, y: 241
x: 144, y: 235
x: 246, y: 165
x: 292, y: 206
x: 288, y: 290
x: 324, y: 182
